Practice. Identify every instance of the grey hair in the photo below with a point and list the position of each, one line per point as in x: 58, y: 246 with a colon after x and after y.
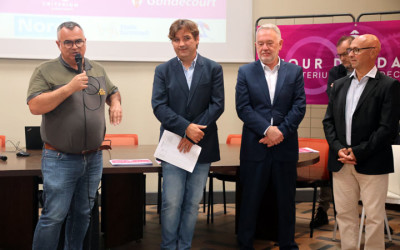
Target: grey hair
x: 69, y: 25
x: 271, y: 26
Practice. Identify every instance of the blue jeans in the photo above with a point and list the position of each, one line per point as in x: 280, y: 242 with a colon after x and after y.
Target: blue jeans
x: 70, y: 182
x: 182, y: 192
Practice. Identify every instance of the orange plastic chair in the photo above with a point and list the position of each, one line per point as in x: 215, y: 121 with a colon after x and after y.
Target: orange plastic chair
x: 234, y: 139
x: 2, y: 141
x: 316, y: 175
x: 122, y: 139
x: 318, y: 171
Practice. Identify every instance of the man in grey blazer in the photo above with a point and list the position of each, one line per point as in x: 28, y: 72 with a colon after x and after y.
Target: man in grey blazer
x: 271, y: 102
x: 188, y: 98
x: 360, y: 125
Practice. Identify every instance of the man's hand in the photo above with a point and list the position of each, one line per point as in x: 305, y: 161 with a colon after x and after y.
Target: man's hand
x: 273, y: 137
x: 79, y: 82
x: 346, y: 156
x: 184, y: 145
x: 194, y: 132
x: 115, y: 111
x: 267, y: 141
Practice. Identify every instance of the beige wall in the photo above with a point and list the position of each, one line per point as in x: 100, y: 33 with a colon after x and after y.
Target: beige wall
x: 134, y: 80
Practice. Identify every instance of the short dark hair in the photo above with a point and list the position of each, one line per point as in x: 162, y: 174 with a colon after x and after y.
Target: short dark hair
x: 183, y: 23
x: 69, y: 25
x: 344, y: 38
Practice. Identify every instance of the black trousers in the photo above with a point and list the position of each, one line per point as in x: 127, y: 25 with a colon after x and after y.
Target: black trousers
x: 255, y: 177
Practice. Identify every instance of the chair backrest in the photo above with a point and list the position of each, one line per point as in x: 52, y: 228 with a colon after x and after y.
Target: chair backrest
x: 234, y: 139
x: 319, y: 170
x: 394, y: 178
x: 122, y: 139
x: 2, y: 141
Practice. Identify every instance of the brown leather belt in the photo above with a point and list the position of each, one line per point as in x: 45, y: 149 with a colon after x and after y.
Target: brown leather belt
x: 102, y: 147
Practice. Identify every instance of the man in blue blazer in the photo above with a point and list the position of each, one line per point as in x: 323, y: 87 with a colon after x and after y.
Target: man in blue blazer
x: 360, y: 125
x: 271, y: 102
x: 188, y: 98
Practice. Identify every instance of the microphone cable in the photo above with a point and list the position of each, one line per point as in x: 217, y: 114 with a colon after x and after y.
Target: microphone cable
x: 91, y: 90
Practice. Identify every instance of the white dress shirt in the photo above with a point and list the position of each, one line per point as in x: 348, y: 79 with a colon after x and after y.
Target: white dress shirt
x: 271, y: 76
x: 353, y: 95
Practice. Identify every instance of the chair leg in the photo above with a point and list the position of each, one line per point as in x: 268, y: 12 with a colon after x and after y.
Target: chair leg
x: 159, y: 193
x: 224, y: 195
x: 334, y: 230
x: 387, y: 228
x: 204, y: 199
x: 210, y: 201
x: 361, y: 227
x: 159, y: 197
x: 313, y: 211
x: 144, y: 200
x: 334, y: 207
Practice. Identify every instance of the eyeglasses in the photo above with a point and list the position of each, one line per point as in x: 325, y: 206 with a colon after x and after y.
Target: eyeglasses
x: 69, y: 44
x: 357, y: 51
x: 342, y: 54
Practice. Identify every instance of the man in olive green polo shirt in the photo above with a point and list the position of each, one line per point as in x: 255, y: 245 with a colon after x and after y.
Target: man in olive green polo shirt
x: 72, y: 106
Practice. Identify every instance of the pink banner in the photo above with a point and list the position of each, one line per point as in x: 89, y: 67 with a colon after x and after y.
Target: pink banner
x: 313, y: 47
x: 120, y: 8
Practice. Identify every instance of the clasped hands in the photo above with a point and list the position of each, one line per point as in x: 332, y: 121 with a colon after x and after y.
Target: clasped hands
x: 195, y: 133
x: 346, y: 156
x: 273, y: 137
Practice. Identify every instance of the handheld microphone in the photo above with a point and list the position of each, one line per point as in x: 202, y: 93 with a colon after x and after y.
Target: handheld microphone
x: 78, y: 60
x: 3, y: 157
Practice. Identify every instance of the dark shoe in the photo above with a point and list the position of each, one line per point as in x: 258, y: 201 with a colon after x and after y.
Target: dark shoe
x: 390, y: 229
x: 320, y: 219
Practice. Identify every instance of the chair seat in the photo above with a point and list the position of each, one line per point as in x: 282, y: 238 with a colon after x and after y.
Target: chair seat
x: 392, y: 198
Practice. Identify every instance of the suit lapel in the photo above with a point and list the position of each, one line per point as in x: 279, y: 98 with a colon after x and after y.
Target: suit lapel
x: 198, y: 71
x: 342, y: 102
x: 281, y: 79
x: 180, y: 77
x: 261, y: 81
x: 371, y: 84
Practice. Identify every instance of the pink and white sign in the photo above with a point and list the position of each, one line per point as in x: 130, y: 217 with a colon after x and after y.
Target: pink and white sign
x: 313, y: 47
x: 120, y: 8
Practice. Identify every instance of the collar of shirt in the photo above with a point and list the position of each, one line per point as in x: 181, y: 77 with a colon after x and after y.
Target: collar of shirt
x: 370, y: 74
x: 87, y: 66
x: 191, y: 66
x: 189, y: 72
x: 267, y: 69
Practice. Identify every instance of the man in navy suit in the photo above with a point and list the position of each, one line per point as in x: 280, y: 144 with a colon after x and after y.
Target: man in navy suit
x: 360, y: 125
x: 188, y: 98
x: 271, y: 102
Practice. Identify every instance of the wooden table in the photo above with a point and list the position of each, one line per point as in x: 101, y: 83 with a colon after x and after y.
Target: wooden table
x: 122, y: 193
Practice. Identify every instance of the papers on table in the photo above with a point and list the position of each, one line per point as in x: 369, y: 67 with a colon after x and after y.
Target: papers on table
x: 130, y: 162
x: 167, y: 150
x: 307, y: 150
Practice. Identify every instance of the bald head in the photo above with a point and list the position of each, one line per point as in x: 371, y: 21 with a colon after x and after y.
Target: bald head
x: 369, y: 40
x: 367, y: 48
